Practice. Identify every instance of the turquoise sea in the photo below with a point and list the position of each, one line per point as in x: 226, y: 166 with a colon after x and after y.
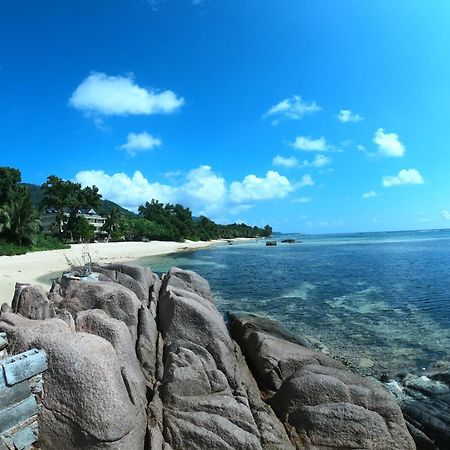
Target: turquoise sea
x: 380, y: 301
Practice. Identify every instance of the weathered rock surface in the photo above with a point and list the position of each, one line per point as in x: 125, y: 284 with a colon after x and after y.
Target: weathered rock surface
x: 32, y: 302
x: 88, y: 401
x: 206, y: 394
x: 425, y: 403
x: 117, y: 301
x: 321, y: 404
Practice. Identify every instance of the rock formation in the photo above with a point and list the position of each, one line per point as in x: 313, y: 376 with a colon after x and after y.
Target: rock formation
x: 142, y: 363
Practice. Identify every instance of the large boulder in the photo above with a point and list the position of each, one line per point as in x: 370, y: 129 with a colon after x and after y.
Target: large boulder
x: 272, y: 354
x: 117, y: 301
x: 321, y: 404
x: 31, y: 301
x: 141, y: 280
x: 89, y: 400
x: 97, y: 322
x: 210, y: 399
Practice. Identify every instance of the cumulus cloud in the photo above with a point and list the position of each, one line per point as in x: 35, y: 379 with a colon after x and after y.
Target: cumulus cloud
x: 405, y: 176
x: 285, y: 162
x: 203, y: 186
x: 445, y: 214
x: 388, y: 144
x: 201, y: 189
x: 293, y: 108
x: 273, y: 185
x: 129, y: 192
x: 107, y: 95
x: 346, y: 115
x: 140, y: 142
x: 308, y: 144
x: 370, y: 194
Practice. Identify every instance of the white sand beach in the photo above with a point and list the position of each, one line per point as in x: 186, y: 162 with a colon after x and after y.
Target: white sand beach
x: 40, y: 267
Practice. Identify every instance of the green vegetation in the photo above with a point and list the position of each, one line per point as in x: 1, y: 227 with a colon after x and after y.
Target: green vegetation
x: 62, y: 194
x: 20, y: 230
x: 42, y: 243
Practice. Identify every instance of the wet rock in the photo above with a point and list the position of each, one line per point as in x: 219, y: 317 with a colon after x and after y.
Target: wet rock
x: 425, y: 403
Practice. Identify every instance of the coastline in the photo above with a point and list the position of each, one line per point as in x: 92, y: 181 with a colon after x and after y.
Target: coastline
x: 39, y: 267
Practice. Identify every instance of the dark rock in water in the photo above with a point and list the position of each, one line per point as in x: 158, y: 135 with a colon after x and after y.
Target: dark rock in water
x: 322, y: 404
x: 425, y: 403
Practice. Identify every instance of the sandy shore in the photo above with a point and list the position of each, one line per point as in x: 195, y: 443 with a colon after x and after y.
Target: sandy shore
x: 40, y: 267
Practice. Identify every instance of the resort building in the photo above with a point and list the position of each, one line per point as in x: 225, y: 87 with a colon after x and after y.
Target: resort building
x: 50, y: 215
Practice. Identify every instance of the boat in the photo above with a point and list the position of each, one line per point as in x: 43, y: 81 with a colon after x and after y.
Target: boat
x: 271, y: 243
x: 288, y: 241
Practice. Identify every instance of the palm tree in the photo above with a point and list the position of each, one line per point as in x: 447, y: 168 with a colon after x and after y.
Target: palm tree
x: 19, y: 220
x: 112, y: 222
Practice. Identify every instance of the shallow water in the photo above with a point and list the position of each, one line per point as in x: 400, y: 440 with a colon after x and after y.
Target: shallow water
x: 381, y: 301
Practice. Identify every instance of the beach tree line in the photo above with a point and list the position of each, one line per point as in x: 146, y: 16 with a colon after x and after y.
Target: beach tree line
x: 20, y: 229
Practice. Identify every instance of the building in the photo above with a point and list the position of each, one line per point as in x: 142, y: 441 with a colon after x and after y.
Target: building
x: 49, y: 220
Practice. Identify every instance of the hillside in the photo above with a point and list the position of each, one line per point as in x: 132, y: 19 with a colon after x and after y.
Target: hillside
x: 104, y: 209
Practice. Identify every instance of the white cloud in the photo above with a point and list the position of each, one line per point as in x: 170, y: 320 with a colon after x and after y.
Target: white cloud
x: 389, y: 144
x: 200, y: 189
x: 285, y: 162
x: 107, y: 95
x: 140, y: 142
x: 346, y: 115
x: 306, y: 181
x: 318, y: 162
x: 308, y: 144
x: 291, y: 108
x: 129, y: 192
x: 405, y: 176
x: 445, y: 214
x: 301, y: 200
x: 203, y: 186
x: 273, y: 185
x: 370, y: 194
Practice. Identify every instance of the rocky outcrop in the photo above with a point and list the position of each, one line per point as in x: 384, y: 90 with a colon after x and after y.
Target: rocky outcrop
x: 142, y: 363
x: 425, y: 403
x: 321, y: 404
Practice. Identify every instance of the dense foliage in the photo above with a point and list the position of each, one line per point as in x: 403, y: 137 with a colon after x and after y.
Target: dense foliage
x: 20, y: 226
x: 65, y: 194
x: 19, y: 222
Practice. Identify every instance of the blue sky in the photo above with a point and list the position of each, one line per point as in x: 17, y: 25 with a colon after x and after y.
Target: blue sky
x: 313, y: 116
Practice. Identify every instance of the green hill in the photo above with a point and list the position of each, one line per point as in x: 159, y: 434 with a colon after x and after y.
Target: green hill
x: 104, y: 209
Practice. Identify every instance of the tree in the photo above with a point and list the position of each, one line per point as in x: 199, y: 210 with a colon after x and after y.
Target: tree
x: 112, y: 223
x: 59, y: 194
x: 267, y: 231
x: 81, y: 229
x: 18, y: 218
